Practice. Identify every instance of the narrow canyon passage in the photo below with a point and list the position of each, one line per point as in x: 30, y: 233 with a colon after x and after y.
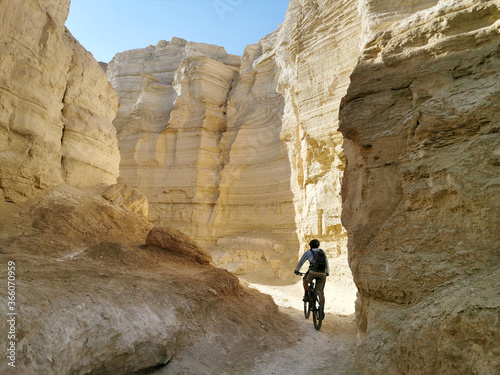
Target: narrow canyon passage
x: 369, y: 125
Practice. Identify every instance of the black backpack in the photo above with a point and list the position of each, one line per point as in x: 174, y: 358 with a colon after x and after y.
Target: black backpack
x: 319, y: 260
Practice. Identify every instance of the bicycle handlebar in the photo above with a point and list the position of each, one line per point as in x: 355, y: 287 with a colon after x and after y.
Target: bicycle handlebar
x: 302, y: 274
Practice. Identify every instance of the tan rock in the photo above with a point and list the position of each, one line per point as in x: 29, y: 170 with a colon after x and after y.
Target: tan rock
x: 56, y: 104
x: 100, y: 302
x: 126, y: 196
x: 200, y: 136
x: 322, y: 51
x: 378, y: 15
x: 177, y: 243
x: 420, y: 191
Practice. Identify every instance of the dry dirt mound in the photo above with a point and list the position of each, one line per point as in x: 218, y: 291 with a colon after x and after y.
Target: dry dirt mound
x: 92, y: 298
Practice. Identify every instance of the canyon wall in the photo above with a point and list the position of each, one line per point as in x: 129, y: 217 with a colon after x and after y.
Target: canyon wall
x: 421, y: 122
x: 397, y: 102
x: 320, y: 55
x: 248, y: 163
x: 251, y: 163
x: 88, y: 293
x: 56, y: 105
x: 199, y: 134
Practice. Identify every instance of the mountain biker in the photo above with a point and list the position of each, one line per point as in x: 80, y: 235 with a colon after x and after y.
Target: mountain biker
x: 314, y: 272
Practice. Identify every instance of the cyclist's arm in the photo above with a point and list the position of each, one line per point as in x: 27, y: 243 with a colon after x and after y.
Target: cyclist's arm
x: 302, y: 260
x: 327, y: 269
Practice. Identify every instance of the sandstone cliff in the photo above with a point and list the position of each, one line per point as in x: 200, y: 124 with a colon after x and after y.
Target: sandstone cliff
x: 421, y: 123
x: 245, y: 154
x: 56, y: 105
x: 255, y: 175
x: 199, y: 133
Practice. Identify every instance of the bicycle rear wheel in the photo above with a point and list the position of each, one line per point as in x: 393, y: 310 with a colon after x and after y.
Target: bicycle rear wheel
x: 317, y: 310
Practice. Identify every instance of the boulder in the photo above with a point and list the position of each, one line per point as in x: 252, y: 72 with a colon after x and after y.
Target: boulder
x: 174, y: 242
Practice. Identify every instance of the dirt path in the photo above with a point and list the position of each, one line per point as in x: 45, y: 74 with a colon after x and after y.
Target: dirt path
x: 328, y: 351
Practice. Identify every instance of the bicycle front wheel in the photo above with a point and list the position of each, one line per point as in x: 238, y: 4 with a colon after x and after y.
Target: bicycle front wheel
x: 307, y: 310
x: 317, y: 310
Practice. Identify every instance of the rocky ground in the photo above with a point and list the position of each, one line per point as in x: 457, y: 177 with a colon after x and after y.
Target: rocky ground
x: 329, y: 351
x: 93, y: 296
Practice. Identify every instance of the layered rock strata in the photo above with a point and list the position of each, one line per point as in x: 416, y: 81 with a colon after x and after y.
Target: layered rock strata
x: 272, y: 180
x: 199, y: 132
x: 421, y: 122
x: 56, y: 106
x: 268, y: 180
x: 321, y: 51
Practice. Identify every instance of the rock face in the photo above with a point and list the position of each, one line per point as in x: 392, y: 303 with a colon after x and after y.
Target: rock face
x: 245, y: 155
x: 94, y: 299
x: 322, y: 50
x: 199, y: 133
x: 398, y: 102
x: 421, y: 123
x: 56, y: 106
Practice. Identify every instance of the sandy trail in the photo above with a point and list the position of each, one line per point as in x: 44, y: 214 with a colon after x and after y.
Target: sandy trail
x: 328, y: 351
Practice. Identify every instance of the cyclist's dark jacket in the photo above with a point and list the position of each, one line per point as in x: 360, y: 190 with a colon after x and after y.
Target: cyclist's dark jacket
x: 308, y: 255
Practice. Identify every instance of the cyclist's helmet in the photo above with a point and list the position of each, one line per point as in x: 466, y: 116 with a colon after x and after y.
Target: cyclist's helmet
x: 314, y: 244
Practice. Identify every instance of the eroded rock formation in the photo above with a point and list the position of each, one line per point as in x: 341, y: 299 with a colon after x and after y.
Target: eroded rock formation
x: 199, y: 133
x: 421, y: 123
x: 246, y: 156
x: 257, y: 172
x: 56, y: 105
x: 94, y: 299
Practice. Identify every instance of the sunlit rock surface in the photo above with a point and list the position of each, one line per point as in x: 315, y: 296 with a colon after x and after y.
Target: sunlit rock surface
x: 98, y: 294
x: 199, y: 134
x: 421, y: 124
x: 56, y: 105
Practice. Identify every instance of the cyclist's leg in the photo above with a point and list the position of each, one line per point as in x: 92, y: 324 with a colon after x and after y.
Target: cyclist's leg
x: 320, y: 284
x: 305, y: 284
x: 306, y: 280
x: 320, y: 279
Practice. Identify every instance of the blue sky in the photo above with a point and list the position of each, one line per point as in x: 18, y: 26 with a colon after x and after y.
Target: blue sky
x: 106, y: 27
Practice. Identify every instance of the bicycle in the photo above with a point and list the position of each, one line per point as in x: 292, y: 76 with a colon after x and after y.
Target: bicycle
x: 314, y: 304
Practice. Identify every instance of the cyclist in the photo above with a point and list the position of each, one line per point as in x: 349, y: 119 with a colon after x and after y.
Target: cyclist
x: 317, y: 268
